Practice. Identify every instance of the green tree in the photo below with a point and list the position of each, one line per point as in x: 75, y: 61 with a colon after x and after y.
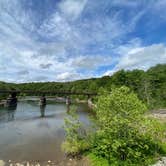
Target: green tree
x: 121, y: 137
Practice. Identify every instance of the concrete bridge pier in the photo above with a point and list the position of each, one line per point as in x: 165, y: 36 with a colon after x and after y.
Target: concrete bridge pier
x: 68, y: 101
x: 42, y: 104
x: 11, y: 100
x: 43, y: 100
x: 90, y: 103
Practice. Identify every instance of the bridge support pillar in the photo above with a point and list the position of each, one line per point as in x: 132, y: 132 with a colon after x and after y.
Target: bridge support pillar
x: 89, y: 101
x: 68, y: 101
x: 11, y: 100
x: 42, y: 101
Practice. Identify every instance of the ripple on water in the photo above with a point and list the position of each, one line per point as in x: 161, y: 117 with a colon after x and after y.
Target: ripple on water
x: 25, y: 136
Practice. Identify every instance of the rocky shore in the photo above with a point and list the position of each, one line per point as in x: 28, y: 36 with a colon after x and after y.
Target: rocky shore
x: 68, y: 162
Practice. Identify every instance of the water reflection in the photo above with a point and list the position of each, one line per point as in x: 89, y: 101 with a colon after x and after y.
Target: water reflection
x: 68, y: 107
x: 11, y: 112
x: 42, y: 104
x: 30, y: 138
x: 42, y: 110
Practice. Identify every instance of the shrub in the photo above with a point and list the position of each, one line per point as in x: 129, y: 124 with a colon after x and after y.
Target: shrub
x: 122, y: 136
x: 75, y: 140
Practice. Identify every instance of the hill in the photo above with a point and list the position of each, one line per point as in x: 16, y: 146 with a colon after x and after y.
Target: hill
x: 150, y: 86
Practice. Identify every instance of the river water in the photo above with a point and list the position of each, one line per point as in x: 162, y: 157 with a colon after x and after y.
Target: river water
x: 27, y: 136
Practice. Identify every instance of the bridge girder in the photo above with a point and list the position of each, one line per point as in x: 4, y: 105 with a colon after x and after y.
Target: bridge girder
x: 48, y: 92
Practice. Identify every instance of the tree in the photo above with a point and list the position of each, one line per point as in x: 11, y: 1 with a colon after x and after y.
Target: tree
x: 120, y: 136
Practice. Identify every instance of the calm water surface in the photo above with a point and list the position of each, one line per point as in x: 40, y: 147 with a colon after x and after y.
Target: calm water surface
x: 26, y: 136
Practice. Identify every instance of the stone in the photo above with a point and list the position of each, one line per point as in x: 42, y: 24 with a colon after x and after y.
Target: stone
x: 162, y: 162
x: 2, y: 163
x: 37, y: 164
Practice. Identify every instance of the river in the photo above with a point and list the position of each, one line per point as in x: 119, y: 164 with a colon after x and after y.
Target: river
x: 27, y: 136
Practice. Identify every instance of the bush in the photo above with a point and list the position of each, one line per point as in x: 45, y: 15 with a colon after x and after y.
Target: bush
x: 75, y: 142
x: 123, y: 136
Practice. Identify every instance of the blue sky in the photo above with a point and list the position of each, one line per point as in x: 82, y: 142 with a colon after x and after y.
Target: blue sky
x: 64, y: 40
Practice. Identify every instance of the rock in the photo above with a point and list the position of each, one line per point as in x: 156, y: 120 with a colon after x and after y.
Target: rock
x: 2, y: 163
x: 162, y: 162
x: 38, y: 164
x: 18, y: 164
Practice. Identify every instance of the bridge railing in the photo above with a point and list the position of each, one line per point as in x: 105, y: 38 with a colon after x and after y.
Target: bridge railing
x: 48, y: 92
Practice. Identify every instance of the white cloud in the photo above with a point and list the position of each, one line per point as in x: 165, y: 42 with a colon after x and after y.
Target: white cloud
x: 68, y: 76
x: 23, y: 72
x: 55, y: 26
x: 141, y: 58
x: 132, y: 44
x: 77, y: 36
x: 72, y: 8
x: 109, y: 73
x: 91, y: 62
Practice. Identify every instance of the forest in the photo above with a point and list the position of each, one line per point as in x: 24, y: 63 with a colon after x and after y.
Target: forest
x: 150, y: 85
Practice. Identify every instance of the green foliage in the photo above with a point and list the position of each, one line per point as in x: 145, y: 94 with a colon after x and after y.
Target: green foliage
x: 75, y: 140
x: 6, y: 86
x: 124, y: 136
x: 150, y: 86
x: 74, y: 147
x: 97, y: 161
x: 157, y: 81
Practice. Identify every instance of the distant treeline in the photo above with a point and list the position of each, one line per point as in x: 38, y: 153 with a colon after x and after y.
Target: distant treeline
x: 150, y: 86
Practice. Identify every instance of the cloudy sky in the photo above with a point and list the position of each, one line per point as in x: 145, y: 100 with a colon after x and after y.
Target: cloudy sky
x: 64, y: 40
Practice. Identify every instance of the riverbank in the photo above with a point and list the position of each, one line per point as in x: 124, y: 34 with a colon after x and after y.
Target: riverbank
x: 44, y: 127
x: 68, y: 162
x: 85, y: 161
x: 161, y: 162
x: 2, y: 102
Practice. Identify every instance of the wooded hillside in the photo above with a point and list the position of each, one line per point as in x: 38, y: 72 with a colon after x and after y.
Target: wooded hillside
x: 150, y: 86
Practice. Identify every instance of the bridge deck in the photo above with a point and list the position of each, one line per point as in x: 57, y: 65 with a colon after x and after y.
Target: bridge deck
x: 48, y: 92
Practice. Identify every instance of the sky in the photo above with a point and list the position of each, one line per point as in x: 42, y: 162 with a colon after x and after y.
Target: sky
x: 65, y: 40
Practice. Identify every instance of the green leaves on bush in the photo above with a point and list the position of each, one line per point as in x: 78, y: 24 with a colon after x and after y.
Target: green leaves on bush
x: 122, y: 135
x: 75, y: 141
